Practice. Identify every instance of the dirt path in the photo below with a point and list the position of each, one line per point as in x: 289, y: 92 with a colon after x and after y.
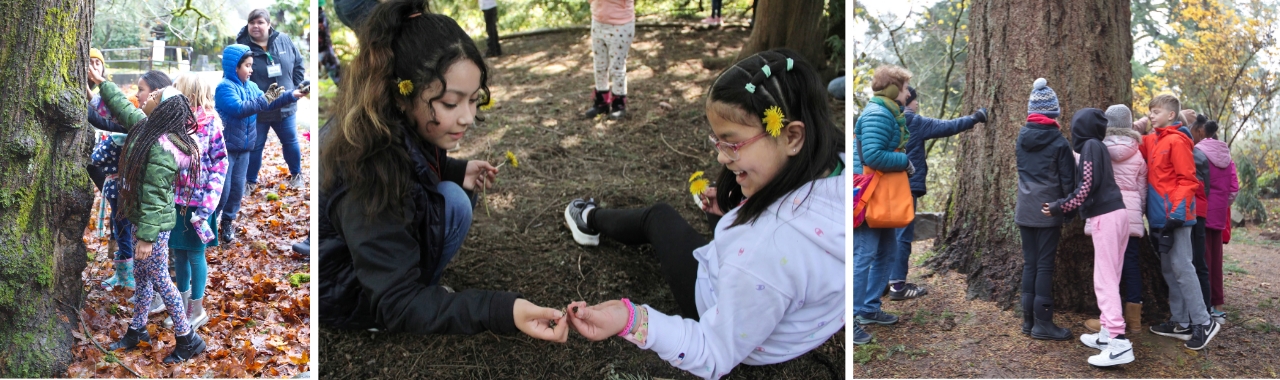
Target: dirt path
x: 522, y: 245
x: 945, y: 335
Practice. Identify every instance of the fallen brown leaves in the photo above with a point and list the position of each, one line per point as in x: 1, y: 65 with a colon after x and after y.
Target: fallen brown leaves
x: 259, y: 325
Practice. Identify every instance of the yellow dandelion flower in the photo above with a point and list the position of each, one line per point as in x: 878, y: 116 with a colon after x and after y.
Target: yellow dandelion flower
x: 511, y: 157
x: 773, y: 120
x: 696, y: 175
x: 406, y: 87
x: 698, y: 186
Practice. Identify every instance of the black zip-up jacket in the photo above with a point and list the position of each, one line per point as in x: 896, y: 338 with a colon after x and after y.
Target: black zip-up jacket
x: 293, y: 68
x: 374, y: 271
x: 1046, y: 169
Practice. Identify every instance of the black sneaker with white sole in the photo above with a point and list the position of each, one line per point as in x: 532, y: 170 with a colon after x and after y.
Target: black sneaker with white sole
x: 1202, y: 334
x: 575, y: 219
x: 1172, y: 330
x: 907, y: 292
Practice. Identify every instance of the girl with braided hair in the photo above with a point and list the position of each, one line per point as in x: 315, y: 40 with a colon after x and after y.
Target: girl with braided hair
x: 770, y: 287
x: 159, y: 164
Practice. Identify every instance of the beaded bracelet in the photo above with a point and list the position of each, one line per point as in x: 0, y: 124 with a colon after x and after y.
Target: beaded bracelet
x: 641, y: 332
x: 631, y: 317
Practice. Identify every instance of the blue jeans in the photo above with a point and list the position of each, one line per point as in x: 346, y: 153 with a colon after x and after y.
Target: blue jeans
x: 193, y: 272
x: 457, y: 221
x: 902, y: 260
x: 122, y: 230
x: 836, y: 88
x: 237, y: 166
x: 287, y: 131
x: 873, y: 252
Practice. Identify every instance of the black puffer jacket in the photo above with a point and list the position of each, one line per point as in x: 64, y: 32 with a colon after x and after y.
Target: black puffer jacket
x: 1095, y: 192
x: 374, y: 271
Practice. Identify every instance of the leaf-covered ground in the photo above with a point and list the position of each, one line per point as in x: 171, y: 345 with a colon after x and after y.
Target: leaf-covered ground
x: 946, y: 335
x: 541, y: 86
x: 259, y: 323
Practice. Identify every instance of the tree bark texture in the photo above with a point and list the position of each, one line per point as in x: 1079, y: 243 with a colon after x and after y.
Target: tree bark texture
x: 791, y: 24
x: 1083, y: 49
x: 45, y: 192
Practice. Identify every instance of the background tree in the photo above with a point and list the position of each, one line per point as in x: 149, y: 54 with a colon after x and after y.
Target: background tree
x: 1084, y: 50
x: 45, y: 192
x: 792, y: 24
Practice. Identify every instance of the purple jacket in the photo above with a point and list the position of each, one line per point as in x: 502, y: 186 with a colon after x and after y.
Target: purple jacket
x: 1223, y: 184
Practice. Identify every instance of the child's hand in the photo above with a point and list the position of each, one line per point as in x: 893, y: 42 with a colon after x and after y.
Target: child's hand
x: 598, y: 322
x: 540, y: 322
x: 142, y: 250
x: 95, y: 75
x: 480, y: 175
x: 709, y: 204
x: 1045, y: 209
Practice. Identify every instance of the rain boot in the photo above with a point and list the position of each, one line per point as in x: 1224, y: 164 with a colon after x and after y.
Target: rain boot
x: 1044, y: 327
x: 187, y: 346
x: 1028, y: 312
x: 130, y: 339
x: 600, y: 107
x: 116, y: 276
x: 127, y: 274
x: 196, y: 316
x: 186, y: 300
x: 618, y: 107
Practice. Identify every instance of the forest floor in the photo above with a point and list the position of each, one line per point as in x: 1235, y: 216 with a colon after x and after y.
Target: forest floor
x: 519, y: 242
x: 259, y: 308
x: 943, y: 334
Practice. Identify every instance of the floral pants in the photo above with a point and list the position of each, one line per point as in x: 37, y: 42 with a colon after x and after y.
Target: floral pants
x: 610, y: 44
x: 152, y: 275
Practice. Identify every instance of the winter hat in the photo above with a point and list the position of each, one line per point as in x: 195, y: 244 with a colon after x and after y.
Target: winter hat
x: 911, y: 95
x: 1043, y: 100
x: 1118, y: 116
x: 95, y: 53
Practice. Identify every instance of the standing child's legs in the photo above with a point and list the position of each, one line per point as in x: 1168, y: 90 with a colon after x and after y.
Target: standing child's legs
x: 673, y: 240
x: 153, y: 279
x: 1039, y: 246
x: 193, y: 272
x: 1197, y: 260
x: 1110, y: 237
x: 1213, y: 258
x: 1131, y: 280
x: 619, y: 39
x: 600, y: 55
x: 1185, y: 303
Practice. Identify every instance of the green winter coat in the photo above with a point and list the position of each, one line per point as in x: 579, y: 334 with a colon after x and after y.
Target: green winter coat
x: 154, y: 210
x: 120, y: 106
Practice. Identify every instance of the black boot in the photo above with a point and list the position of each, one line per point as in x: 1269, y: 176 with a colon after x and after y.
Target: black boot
x: 1044, y: 327
x: 1028, y: 312
x: 130, y: 339
x: 618, y: 107
x: 188, y: 345
x: 599, y: 107
x: 226, y: 231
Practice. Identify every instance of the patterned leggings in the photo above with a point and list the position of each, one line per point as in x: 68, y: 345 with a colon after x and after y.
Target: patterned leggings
x: 610, y: 44
x: 151, y: 273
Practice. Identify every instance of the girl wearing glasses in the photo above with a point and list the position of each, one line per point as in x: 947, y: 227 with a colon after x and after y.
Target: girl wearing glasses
x: 770, y: 287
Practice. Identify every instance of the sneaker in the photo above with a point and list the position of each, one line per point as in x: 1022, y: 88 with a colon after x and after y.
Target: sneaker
x: 575, y: 219
x: 1218, y: 316
x: 249, y: 187
x: 1118, y: 351
x: 1202, y: 334
x: 907, y: 292
x: 297, y: 182
x: 879, y: 318
x: 860, y: 336
x: 709, y: 20
x: 1172, y: 330
x: 1098, y: 340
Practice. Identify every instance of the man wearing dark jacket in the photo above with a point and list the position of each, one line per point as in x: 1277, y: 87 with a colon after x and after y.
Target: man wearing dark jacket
x: 275, y: 61
x: 922, y: 129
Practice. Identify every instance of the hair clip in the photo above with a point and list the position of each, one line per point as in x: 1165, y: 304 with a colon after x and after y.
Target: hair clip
x: 751, y: 88
x: 766, y: 70
x: 790, y: 63
x: 416, y: 14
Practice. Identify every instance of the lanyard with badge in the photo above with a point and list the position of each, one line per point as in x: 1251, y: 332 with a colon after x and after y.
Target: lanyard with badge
x: 273, y: 68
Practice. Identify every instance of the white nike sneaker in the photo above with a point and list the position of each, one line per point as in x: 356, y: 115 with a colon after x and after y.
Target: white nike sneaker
x: 1118, y: 351
x: 1098, y: 341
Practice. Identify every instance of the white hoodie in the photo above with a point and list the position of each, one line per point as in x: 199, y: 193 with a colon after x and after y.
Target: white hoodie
x: 766, y: 292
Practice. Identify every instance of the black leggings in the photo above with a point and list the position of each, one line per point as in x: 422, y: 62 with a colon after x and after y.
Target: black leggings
x: 673, y: 242
x: 1197, y: 259
x: 1039, y: 246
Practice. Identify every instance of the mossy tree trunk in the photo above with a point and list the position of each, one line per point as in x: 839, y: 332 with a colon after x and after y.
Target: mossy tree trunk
x: 795, y: 25
x: 1083, y: 49
x: 45, y: 192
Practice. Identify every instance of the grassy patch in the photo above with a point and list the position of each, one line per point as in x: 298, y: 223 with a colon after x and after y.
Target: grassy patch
x: 1233, y: 266
x: 922, y: 317
x: 866, y: 353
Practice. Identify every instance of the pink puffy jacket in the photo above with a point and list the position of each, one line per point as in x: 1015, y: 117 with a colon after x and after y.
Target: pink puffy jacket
x: 1223, y: 183
x: 1131, y: 175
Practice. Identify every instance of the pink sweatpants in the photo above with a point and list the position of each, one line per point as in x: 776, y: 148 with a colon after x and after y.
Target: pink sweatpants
x: 1110, y: 237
